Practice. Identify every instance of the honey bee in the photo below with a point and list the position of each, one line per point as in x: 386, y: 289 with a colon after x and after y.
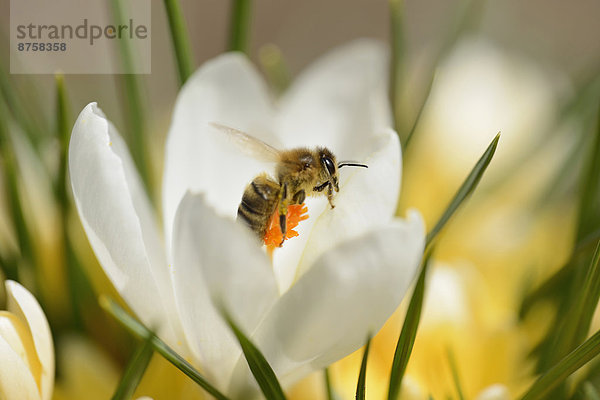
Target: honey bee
x: 299, y: 172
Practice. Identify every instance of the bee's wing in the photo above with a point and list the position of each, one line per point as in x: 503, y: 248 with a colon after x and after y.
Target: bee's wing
x: 249, y: 145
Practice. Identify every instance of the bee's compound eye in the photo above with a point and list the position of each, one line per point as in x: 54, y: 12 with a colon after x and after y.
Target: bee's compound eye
x: 328, y: 162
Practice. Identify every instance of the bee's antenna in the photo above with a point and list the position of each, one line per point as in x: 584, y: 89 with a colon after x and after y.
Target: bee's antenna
x: 351, y: 164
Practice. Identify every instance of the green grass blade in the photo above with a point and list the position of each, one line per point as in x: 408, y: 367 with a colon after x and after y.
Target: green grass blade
x: 467, y: 12
x: 134, y: 115
x: 590, y: 392
x: 466, y: 188
x: 77, y: 282
x: 11, y: 181
x: 560, y: 341
x: 140, y: 331
x: 260, y: 368
x: 408, y: 333
x: 181, y: 43
x: 455, y: 376
x: 565, y: 367
x: 576, y: 323
x: 239, y: 25
x: 420, y: 110
x: 589, y: 298
x: 134, y: 371
x: 24, y: 108
x: 589, y: 211
x: 557, y: 282
x: 361, y: 391
x: 328, y: 387
x: 8, y: 267
x: 396, y: 60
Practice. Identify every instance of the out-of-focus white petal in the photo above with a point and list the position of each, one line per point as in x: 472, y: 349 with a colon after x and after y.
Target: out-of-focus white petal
x: 119, y: 221
x: 504, y: 92
x: 340, y: 101
x: 446, y: 300
x: 16, y: 333
x: 494, y: 392
x: 41, y: 215
x: 348, y: 294
x: 16, y: 381
x: 367, y: 198
x: 23, y: 305
x: 227, y: 90
x: 215, y: 257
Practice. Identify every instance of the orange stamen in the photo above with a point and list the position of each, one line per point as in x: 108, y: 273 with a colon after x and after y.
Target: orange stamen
x: 273, y: 236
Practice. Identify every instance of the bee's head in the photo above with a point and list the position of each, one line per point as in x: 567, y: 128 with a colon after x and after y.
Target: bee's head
x: 330, y: 167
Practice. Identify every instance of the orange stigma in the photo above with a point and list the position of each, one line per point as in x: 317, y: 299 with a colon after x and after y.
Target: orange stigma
x: 273, y: 237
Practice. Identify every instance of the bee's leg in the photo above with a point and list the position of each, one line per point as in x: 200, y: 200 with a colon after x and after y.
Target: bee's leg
x: 299, y: 197
x: 283, y: 205
x: 282, y: 225
x: 330, y: 195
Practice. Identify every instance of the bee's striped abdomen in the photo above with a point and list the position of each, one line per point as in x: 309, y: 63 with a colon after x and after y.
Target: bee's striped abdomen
x: 259, y: 203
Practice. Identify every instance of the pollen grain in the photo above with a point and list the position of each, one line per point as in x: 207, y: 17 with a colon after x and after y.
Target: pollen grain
x: 273, y: 236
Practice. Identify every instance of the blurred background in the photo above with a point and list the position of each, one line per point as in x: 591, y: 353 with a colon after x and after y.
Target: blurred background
x: 530, y: 70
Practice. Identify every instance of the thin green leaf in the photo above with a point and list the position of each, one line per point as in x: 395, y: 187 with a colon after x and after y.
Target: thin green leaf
x: 24, y: 108
x: 420, y: 110
x: 361, y: 391
x: 134, y: 371
x: 467, y: 12
x: 11, y: 178
x: 181, y: 43
x: 140, y: 331
x: 134, y: 115
x: 561, y: 279
x: 76, y: 280
x: 396, y: 61
x: 466, y: 188
x: 260, y: 368
x: 8, y: 267
x: 576, y: 324
x: 589, y: 297
x: 274, y: 67
x: 560, y: 341
x: 409, y: 332
x: 589, y: 209
x: 565, y: 367
x: 455, y: 377
x: 239, y: 25
x: 590, y: 392
x: 328, y: 387
x: 580, y: 106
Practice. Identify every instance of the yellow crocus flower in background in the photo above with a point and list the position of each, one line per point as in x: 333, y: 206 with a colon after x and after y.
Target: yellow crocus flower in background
x: 498, y: 246
x: 26, y: 349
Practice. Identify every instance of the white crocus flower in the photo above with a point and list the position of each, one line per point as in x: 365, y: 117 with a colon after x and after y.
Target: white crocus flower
x: 26, y: 350
x: 324, y: 291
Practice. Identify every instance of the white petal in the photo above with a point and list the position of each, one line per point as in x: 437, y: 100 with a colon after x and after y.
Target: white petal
x: 16, y: 382
x: 118, y: 219
x: 367, y: 198
x: 494, y: 392
x: 22, y: 304
x: 349, y: 293
x: 227, y: 90
x: 219, y: 258
x: 340, y: 101
x: 446, y: 299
